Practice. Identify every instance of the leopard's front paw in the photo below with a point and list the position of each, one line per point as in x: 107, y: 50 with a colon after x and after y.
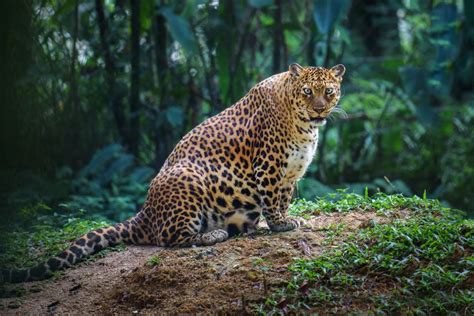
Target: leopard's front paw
x: 285, y: 225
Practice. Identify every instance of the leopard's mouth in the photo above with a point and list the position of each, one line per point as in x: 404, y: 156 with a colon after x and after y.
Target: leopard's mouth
x: 320, y: 121
x: 316, y: 120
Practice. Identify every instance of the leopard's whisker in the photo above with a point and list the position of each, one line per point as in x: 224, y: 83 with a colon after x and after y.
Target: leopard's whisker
x: 338, y: 112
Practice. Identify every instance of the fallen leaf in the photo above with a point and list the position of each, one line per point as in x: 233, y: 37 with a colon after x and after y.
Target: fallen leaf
x: 304, y: 246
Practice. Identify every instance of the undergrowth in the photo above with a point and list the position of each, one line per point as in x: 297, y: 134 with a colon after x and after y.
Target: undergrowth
x: 41, y: 232
x: 110, y: 188
x: 416, y: 265
x: 347, y: 202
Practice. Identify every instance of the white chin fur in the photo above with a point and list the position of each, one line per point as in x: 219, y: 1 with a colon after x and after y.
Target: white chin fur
x: 319, y: 124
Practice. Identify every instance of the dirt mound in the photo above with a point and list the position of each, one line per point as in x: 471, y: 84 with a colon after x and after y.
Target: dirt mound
x: 227, y: 277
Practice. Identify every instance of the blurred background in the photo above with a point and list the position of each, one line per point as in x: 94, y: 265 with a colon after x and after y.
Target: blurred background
x: 96, y: 93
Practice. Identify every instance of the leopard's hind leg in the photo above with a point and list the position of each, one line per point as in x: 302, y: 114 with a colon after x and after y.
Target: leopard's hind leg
x: 188, y: 228
x: 186, y: 225
x: 183, y: 204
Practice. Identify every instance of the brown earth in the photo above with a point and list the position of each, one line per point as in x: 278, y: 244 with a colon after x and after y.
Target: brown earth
x: 227, y: 277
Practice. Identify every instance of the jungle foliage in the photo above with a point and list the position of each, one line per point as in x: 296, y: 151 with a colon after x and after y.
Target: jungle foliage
x: 96, y: 93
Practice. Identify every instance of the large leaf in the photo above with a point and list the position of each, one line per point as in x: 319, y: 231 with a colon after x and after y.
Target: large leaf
x: 175, y: 116
x: 116, y: 168
x: 100, y: 160
x: 414, y: 79
x: 141, y: 174
x: 426, y: 114
x: 180, y: 30
x: 327, y: 12
x: 445, y: 39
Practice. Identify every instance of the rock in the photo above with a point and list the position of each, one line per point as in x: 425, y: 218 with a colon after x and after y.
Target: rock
x: 13, y: 305
x: 252, y: 276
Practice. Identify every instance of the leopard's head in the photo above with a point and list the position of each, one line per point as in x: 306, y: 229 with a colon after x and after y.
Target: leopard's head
x: 315, y: 91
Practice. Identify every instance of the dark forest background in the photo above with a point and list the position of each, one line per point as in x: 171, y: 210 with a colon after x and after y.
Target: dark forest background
x: 95, y: 94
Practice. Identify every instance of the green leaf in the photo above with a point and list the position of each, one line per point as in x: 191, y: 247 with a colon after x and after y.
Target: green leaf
x: 327, y: 12
x: 67, y: 7
x: 426, y: 115
x: 180, y: 30
x: 100, y: 160
x: 445, y: 39
x: 260, y: 3
x: 117, y: 167
x: 146, y: 13
x: 175, y: 116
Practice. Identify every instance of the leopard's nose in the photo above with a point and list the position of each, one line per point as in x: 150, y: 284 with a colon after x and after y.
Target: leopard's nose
x: 319, y: 105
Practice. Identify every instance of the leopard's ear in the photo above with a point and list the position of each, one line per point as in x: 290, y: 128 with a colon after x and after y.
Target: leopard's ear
x: 295, y: 69
x: 338, y: 71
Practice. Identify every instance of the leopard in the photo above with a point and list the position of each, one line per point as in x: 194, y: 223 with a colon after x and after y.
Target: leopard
x: 225, y: 175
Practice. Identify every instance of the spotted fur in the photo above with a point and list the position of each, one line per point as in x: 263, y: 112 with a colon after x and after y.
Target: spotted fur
x: 225, y: 173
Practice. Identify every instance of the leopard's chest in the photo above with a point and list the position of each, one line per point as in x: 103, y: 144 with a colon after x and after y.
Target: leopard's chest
x: 300, y: 156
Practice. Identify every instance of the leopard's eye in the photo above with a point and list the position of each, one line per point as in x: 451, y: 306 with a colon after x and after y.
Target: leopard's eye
x: 307, y: 91
x: 329, y: 91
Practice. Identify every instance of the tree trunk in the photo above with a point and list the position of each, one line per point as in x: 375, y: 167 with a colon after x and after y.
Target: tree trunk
x: 236, y: 59
x: 16, y: 56
x: 74, y: 96
x: 377, y: 28
x: 463, y: 85
x: 277, y: 38
x: 113, y: 97
x: 134, y: 132
x: 162, y: 135
x: 193, y: 105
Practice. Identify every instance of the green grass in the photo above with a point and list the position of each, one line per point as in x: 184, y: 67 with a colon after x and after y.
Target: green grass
x: 40, y: 233
x: 333, y: 231
x: 417, y: 265
x: 153, y: 261
x: 347, y: 202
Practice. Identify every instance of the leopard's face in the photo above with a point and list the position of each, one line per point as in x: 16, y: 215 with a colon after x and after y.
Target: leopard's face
x: 315, y: 91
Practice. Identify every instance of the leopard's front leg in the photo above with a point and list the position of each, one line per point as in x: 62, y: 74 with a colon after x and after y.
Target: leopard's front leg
x: 276, y: 197
x: 268, y: 168
x: 285, y: 223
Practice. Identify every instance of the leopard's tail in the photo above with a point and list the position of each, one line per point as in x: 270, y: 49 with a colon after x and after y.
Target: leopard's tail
x: 130, y: 231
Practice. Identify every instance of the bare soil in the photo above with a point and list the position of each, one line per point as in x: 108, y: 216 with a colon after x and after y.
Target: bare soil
x: 228, y: 277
